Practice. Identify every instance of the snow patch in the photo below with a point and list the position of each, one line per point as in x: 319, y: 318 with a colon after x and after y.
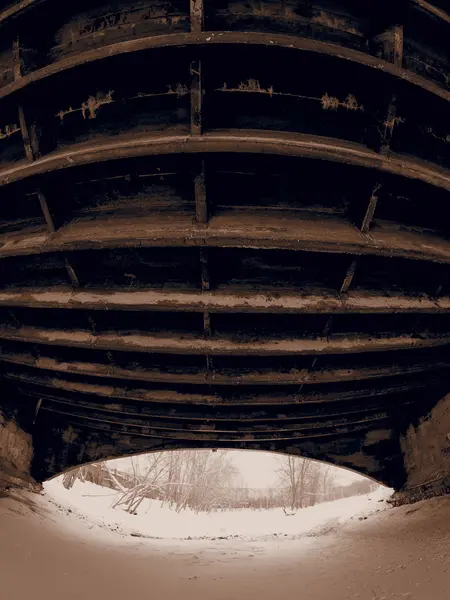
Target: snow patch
x: 93, y: 503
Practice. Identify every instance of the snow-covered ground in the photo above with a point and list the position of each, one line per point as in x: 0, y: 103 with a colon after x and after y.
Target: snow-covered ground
x: 52, y: 551
x: 153, y: 520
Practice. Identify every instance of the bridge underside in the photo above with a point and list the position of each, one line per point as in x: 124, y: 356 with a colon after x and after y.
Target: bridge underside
x: 225, y: 224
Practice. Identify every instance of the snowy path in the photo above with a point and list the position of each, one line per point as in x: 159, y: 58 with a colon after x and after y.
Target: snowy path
x: 393, y: 554
x: 94, y: 502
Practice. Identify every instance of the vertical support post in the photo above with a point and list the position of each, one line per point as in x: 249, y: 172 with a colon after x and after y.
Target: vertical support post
x: 204, y: 269
x: 52, y: 228
x: 367, y: 220
x: 17, y: 68
x: 72, y: 275
x: 197, y: 14
x: 349, y: 277
x: 207, y: 324
x: 389, y: 125
x: 196, y: 97
x: 29, y: 137
x: 46, y: 211
x: 397, y: 54
x: 392, y: 41
x: 201, y: 207
x: 25, y: 135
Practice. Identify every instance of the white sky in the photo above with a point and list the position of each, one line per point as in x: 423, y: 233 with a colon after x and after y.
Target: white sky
x: 258, y: 469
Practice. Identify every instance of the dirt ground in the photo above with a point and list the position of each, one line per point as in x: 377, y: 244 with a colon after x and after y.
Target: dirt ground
x: 393, y: 554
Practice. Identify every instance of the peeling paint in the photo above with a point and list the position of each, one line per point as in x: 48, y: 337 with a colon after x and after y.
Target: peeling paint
x: 333, y: 103
x: 89, y: 108
x: 328, y: 102
x: 92, y: 105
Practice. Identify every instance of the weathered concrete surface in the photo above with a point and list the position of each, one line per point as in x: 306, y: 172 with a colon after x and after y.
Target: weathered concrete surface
x: 16, y: 452
x: 426, y: 452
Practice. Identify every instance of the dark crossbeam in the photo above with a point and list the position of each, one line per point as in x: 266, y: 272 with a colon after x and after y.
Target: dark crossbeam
x: 339, y: 427
x: 191, y: 344
x: 233, y: 141
x: 275, y: 426
x: 277, y: 378
x: 223, y: 301
x: 219, y: 38
x: 234, y: 230
x: 207, y: 412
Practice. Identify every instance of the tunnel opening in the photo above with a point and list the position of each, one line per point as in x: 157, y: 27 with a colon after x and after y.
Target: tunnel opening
x: 204, y: 494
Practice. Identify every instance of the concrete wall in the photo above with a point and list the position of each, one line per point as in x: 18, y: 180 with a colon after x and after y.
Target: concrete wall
x: 16, y: 452
x: 426, y: 453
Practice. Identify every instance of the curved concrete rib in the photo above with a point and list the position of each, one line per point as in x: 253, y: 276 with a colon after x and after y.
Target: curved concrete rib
x: 216, y: 346
x: 309, y: 431
x: 211, y: 38
x: 267, y: 378
x: 221, y: 301
x: 231, y: 141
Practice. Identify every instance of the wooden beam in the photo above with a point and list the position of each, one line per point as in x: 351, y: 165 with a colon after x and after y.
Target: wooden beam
x: 237, y: 300
x: 226, y: 38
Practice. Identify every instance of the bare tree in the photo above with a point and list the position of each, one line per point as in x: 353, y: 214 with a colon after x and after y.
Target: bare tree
x: 143, y: 481
x: 203, y: 481
x: 293, y: 472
